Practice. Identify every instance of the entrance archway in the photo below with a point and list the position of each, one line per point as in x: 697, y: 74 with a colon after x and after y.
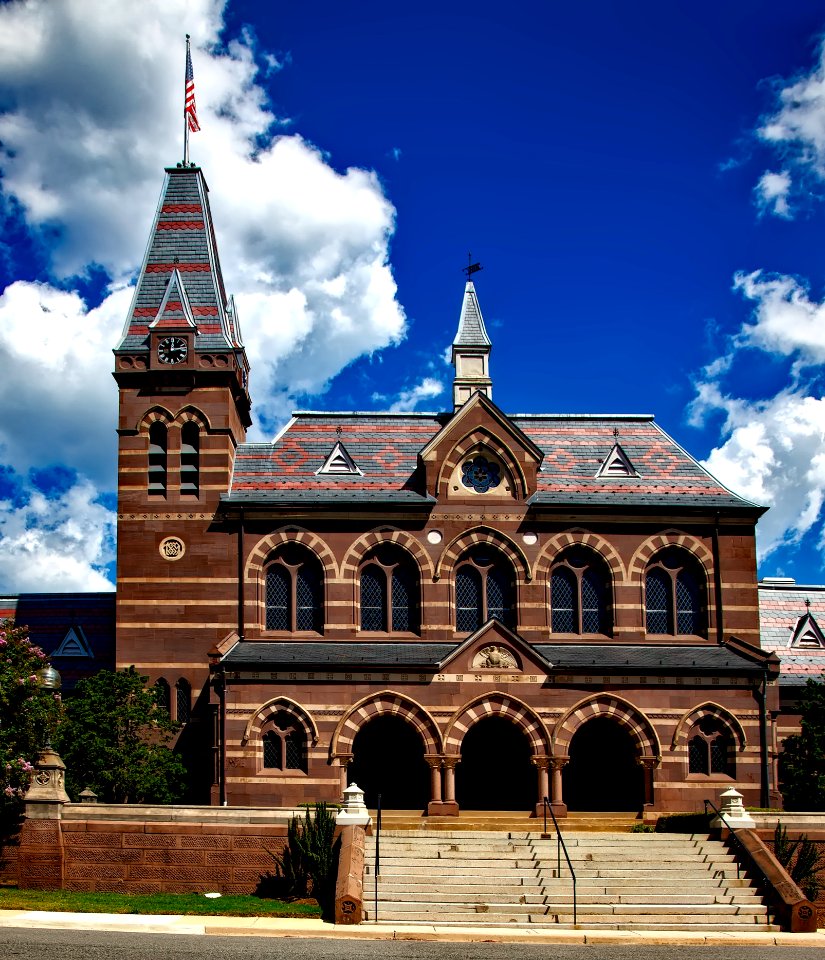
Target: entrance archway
x: 603, y: 773
x: 495, y: 772
x: 388, y: 758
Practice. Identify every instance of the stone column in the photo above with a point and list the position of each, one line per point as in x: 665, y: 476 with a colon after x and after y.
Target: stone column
x: 541, y: 764
x: 556, y: 798
x: 40, y: 858
x: 344, y: 760
x: 439, y: 807
x: 447, y: 806
x: 648, y: 764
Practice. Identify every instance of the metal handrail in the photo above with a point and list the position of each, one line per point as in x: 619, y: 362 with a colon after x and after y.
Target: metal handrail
x: 377, y: 851
x: 743, y: 851
x: 561, y: 845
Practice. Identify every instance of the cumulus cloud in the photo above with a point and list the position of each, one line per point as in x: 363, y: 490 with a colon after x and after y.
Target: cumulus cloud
x: 90, y: 112
x: 59, y: 544
x: 796, y: 129
x: 409, y: 398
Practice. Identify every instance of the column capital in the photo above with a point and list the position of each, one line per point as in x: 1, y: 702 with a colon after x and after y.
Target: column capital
x: 450, y: 763
x: 558, y: 763
x: 649, y: 763
x: 434, y: 760
x: 542, y: 762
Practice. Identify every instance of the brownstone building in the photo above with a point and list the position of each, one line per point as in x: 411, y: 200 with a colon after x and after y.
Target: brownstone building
x: 458, y: 610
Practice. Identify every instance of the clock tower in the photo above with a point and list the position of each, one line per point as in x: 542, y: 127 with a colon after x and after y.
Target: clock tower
x: 182, y: 374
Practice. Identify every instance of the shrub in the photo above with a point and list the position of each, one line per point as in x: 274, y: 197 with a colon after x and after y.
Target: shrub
x: 802, y: 858
x: 684, y: 823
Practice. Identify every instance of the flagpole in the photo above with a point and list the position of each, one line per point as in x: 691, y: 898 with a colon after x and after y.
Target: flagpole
x: 185, y: 117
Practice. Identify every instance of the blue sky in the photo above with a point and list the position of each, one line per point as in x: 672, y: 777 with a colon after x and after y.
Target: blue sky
x: 642, y: 183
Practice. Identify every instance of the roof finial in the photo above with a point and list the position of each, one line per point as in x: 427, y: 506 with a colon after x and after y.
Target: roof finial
x: 616, y: 433
x: 807, y: 603
x: 339, y: 430
x: 471, y: 267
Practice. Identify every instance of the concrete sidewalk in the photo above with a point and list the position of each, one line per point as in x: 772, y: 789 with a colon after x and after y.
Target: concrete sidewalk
x: 295, y: 927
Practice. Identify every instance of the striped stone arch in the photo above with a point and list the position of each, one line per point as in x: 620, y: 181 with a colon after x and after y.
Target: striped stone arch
x: 151, y: 416
x: 385, y: 703
x: 361, y: 547
x: 480, y: 439
x: 579, y: 537
x: 670, y: 538
x: 473, y: 537
x: 266, y: 545
x: 709, y: 709
x: 496, y: 704
x: 266, y: 711
x: 607, y: 705
x: 192, y: 414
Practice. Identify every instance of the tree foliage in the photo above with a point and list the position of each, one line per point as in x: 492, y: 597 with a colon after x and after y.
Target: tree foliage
x: 28, y: 715
x: 802, y: 761
x: 115, y: 739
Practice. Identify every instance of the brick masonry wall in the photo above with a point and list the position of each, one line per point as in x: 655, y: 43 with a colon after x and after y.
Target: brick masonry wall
x: 136, y: 857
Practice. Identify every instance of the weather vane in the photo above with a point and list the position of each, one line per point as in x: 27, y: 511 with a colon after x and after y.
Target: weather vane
x: 339, y: 431
x: 471, y: 267
x: 616, y: 432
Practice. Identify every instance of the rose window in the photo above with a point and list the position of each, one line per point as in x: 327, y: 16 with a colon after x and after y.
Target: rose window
x: 481, y: 474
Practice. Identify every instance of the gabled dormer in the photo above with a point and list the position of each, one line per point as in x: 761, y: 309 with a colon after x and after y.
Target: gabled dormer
x: 807, y: 633
x: 471, y: 351
x: 480, y: 452
x: 617, y: 464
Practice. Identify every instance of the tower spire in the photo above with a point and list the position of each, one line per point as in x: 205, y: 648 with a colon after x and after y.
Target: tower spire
x: 471, y: 346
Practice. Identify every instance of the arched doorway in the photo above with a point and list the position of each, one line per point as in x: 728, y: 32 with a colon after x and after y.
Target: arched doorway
x: 603, y: 773
x: 388, y: 758
x: 495, y: 772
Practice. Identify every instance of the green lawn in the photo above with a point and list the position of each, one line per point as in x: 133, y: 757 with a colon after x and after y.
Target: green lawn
x: 174, y: 903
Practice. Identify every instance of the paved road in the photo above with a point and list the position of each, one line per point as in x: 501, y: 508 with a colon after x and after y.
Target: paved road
x: 20, y: 944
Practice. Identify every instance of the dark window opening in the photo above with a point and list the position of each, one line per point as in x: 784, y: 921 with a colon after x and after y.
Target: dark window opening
x: 157, y: 459
x: 294, y: 592
x: 484, y: 588
x: 190, y: 459
x: 711, y: 748
x: 580, y: 594
x: 285, y: 744
x: 674, y: 595
x: 183, y: 701
x: 389, y: 593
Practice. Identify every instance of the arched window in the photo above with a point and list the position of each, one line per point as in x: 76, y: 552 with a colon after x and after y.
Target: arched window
x: 389, y: 592
x: 284, y: 743
x: 580, y: 594
x: 190, y: 459
x: 183, y: 700
x: 674, y: 594
x: 711, y: 748
x: 157, y: 459
x: 484, y: 588
x: 162, y: 695
x: 295, y: 591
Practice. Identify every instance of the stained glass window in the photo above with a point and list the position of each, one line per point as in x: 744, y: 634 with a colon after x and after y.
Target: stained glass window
x: 480, y: 474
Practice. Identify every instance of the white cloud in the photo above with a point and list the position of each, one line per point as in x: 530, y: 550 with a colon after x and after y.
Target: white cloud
x: 60, y: 544
x: 787, y: 321
x: 774, y: 455
x: 797, y: 130
x: 772, y: 193
x: 409, y: 399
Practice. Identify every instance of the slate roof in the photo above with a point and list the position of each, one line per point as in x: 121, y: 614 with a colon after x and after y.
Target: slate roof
x: 566, y: 657
x: 385, y: 448
x: 183, y: 240
x: 471, y: 330
x: 781, y: 605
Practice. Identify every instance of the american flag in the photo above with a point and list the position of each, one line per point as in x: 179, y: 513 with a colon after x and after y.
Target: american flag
x: 190, y: 110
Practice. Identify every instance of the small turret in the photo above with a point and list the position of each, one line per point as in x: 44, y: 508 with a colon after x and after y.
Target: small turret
x: 471, y: 351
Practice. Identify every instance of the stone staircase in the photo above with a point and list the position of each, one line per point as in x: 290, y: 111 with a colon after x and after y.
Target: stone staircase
x: 624, y: 882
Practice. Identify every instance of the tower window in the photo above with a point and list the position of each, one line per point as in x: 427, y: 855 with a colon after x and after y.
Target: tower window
x: 157, y: 459
x: 162, y: 695
x: 183, y: 700
x: 295, y: 592
x: 190, y: 459
x: 484, y: 588
x: 579, y: 594
x: 674, y: 597
x: 389, y: 593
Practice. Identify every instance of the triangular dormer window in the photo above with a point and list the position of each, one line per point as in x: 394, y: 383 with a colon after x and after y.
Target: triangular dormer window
x: 339, y: 461
x: 74, y: 644
x: 174, y: 310
x: 807, y: 633
x: 617, y: 464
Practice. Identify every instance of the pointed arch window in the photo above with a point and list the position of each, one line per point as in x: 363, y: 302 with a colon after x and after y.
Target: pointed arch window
x: 183, y: 701
x: 390, y: 592
x: 157, y: 459
x: 163, y: 696
x: 190, y: 459
x: 674, y: 595
x: 580, y: 594
x: 294, y: 586
x: 711, y: 748
x: 284, y: 743
x: 484, y: 588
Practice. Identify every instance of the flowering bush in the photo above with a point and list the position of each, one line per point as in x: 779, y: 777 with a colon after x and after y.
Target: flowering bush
x: 27, y: 716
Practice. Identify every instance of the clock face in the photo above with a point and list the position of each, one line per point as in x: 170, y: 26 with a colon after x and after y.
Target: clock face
x: 172, y: 350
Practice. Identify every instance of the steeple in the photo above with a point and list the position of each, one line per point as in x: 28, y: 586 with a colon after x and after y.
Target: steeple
x: 471, y: 351
x: 181, y: 283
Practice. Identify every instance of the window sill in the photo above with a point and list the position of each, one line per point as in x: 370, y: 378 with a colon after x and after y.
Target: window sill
x: 709, y: 778
x: 272, y: 773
